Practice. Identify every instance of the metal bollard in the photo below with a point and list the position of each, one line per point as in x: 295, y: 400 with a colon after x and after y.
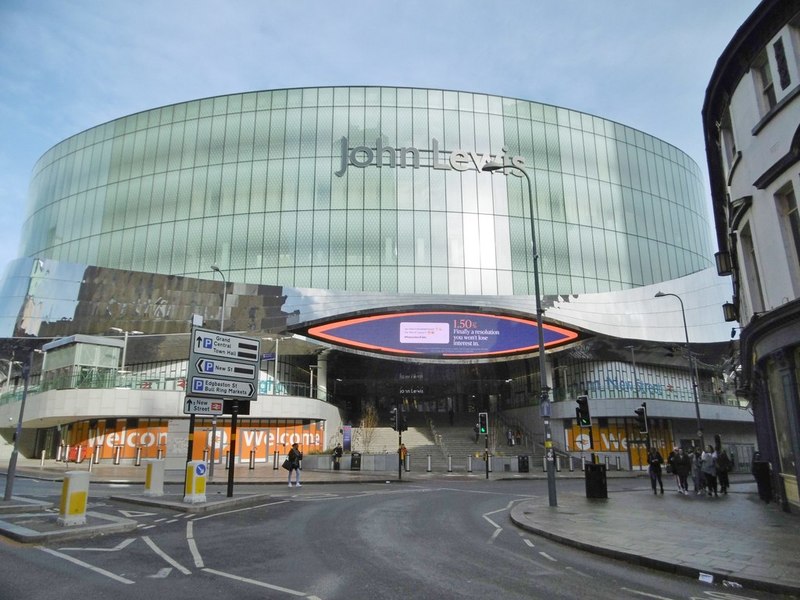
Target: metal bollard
x: 490, y: 463
x: 606, y: 460
x: 619, y: 465
x: 408, y: 462
x: 571, y: 465
x: 227, y: 460
x: 44, y: 456
x: 59, y: 453
x: 66, y: 453
x: 98, y: 450
x: 429, y: 463
x: 252, y: 459
x: 117, y: 454
x: 449, y: 463
x: 138, y: 461
x: 160, y: 453
x: 205, y: 455
x: 469, y: 464
x: 558, y: 464
x: 79, y: 454
x: 275, y: 460
x: 544, y: 464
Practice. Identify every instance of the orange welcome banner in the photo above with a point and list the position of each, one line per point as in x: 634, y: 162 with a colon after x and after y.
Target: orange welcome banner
x: 104, y: 441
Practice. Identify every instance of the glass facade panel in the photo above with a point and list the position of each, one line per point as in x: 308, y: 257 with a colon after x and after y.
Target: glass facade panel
x: 291, y: 187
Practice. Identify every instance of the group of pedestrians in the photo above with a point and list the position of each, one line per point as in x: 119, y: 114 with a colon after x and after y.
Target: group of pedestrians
x: 708, y: 469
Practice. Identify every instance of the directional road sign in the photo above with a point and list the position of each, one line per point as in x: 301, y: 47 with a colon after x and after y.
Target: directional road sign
x: 202, y: 406
x: 225, y: 368
x: 210, y: 386
x: 224, y: 345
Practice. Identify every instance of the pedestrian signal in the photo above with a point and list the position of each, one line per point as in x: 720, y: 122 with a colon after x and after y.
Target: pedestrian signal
x: 641, y: 417
x: 582, y: 411
x: 483, y: 423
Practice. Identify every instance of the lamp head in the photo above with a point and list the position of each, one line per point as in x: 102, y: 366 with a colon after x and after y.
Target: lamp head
x: 215, y: 268
x: 660, y: 294
x: 493, y: 166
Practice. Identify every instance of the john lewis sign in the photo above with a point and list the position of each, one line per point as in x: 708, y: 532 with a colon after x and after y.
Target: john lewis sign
x: 388, y: 156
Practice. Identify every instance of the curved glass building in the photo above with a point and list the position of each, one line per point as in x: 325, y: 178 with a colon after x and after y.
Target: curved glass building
x: 358, y: 235
x: 372, y: 189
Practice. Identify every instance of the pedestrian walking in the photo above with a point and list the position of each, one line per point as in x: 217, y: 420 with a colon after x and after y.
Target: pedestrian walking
x: 510, y: 437
x: 294, y: 458
x: 337, y: 456
x: 697, y: 472
x: 671, y: 467
x: 683, y: 466
x: 655, y: 461
x: 402, y: 452
x: 709, y: 468
x: 724, y: 465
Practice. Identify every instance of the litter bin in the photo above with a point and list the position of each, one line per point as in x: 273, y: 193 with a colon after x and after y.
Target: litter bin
x: 522, y: 464
x: 763, y: 479
x: 355, y: 461
x: 596, y: 486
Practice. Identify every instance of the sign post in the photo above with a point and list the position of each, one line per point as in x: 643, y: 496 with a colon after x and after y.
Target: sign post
x: 222, y: 367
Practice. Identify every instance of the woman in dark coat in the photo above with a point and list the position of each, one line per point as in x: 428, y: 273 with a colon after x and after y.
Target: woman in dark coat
x: 683, y: 466
x: 655, y: 461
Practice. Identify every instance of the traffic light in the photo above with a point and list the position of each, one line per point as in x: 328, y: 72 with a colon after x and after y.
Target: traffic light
x: 641, y: 417
x: 483, y: 423
x: 393, y: 418
x: 582, y: 411
x: 402, y: 420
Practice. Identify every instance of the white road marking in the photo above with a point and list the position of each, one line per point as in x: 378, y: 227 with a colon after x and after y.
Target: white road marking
x: 198, y: 560
x: 80, y: 563
x: 230, y: 512
x: 122, y: 545
x: 495, y: 525
x: 162, y: 573
x: 547, y: 556
x: 277, y: 588
x: 495, y: 534
x: 530, y: 543
x: 165, y: 556
x: 135, y: 513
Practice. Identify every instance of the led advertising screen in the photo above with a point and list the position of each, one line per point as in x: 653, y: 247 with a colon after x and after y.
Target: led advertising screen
x: 445, y: 334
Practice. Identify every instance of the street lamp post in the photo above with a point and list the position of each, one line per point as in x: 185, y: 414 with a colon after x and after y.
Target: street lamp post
x: 12, y: 461
x: 216, y: 269
x: 545, y: 391
x: 691, y: 368
x: 125, y: 334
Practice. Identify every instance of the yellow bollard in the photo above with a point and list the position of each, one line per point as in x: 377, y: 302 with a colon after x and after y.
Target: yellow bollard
x: 154, y: 477
x: 195, y: 488
x: 74, y: 498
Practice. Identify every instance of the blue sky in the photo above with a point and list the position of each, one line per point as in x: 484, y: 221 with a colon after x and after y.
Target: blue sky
x: 67, y: 65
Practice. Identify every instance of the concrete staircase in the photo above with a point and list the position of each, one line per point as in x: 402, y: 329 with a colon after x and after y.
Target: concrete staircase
x: 441, y: 441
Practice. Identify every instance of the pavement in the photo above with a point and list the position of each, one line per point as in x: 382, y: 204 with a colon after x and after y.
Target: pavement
x: 733, y: 540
